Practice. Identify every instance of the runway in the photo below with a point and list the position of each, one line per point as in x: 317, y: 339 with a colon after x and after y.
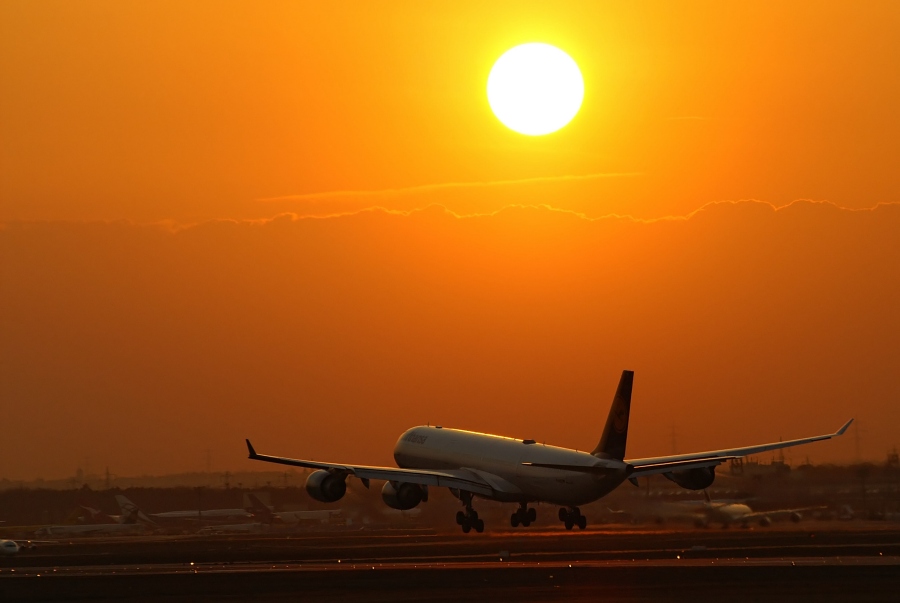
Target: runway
x: 608, y: 565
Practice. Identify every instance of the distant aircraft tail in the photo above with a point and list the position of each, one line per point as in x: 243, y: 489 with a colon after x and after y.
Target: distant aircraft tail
x: 93, y: 516
x: 259, y: 509
x: 131, y: 513
x: 87, y: 513
x: 612, y: 442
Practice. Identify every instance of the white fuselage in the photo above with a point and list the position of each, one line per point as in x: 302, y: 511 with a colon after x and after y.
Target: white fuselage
x: 236, y: 528
x: 499, y: 460
x: 727, y: 512
x: 91, y: 528
x: 319, y: 515
x: 205, y: 514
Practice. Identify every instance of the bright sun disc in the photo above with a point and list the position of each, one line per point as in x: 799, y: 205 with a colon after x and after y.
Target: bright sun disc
x: 535, y: 89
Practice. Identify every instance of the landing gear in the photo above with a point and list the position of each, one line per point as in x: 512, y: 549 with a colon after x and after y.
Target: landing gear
x: 572, y: 517
x: 523, y: 515
x: 469, y: 520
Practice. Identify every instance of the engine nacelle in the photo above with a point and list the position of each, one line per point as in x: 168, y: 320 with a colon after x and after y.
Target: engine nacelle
x: 693, y: 479
x: 403, y: 496
x: 326, y: 487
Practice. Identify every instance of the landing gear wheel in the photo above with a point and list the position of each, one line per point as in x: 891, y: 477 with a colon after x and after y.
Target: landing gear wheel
x: 526, y: 522
x: 514, y: 520
x: 572, y: 517
x: 468, y: 519
x: 532, y: 515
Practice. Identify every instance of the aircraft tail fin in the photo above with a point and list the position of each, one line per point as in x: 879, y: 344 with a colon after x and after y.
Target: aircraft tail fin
x: 131, y: 513
x: 259, y: 508
x: 615, y: 433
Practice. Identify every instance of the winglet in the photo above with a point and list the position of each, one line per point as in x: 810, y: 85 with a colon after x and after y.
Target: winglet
x: 252, y: 453
x: 844, y: 428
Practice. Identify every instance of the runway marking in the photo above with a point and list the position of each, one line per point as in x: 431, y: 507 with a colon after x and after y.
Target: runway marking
x: 221, y: 568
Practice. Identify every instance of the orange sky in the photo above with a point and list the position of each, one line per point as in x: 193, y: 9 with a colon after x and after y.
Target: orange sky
x: 144, y: 318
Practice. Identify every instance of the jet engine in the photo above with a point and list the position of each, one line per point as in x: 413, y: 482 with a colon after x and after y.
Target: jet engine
x: 403, y: 496
x: 693, y: 479
x: 325, y: 486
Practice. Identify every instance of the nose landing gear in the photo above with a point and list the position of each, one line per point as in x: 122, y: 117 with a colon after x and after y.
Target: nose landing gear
x: 572, y: 517
x: 524, y: 516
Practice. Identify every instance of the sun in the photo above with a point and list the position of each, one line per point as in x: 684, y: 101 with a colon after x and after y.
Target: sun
x: 535, y: 89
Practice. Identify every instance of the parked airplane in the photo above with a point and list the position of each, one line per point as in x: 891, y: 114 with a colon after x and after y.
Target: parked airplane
x: 265, y: 514
x: 236, y: 528
x: 85, y: 529
x: 87, y: 514
x: 129, y: 509
x: 522, y: 471
x: 10, y: 547
x: 706, y: 512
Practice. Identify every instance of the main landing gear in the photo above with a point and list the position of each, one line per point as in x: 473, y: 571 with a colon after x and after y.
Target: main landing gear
x: 523, y: 515
x: 469, y: 519
x: 572, y: 517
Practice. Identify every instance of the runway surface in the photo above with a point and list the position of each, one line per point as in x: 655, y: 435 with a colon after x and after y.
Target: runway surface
x: 609, y: 565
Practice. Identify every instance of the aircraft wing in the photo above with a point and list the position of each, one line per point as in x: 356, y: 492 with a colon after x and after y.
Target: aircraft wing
x: 665, y: 464
x: 782, y: 513
x: 461, y: 479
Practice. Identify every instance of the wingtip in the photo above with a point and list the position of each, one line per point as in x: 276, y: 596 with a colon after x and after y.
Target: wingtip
x: 250, y: 450
x: 844, y: 428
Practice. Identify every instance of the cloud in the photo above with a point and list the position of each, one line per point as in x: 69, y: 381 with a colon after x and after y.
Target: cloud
x: 577, y: 193
x: 429, y: 188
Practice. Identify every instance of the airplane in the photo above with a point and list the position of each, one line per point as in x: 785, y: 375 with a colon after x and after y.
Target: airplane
x: 728, y: 513
x: 504, y: 469
x: 10, y: 547
x: 236, y: 528
x: 129, y: 509
x: 261, y: 510
x: 87, y: 514
x: 83, y: 529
